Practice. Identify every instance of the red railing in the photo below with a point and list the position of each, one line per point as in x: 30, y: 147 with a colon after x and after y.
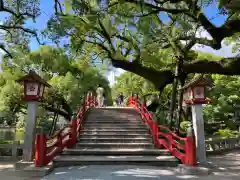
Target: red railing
x: 182, y: 148
x: 48, y: 148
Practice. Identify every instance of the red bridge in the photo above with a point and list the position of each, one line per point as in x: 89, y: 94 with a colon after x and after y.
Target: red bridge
x: 127, y: 135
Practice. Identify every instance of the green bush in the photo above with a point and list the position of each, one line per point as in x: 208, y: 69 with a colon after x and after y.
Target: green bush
x: 19, y: 130
x: 184, y: 126
x: 5, y: 142
x: 226, y: 133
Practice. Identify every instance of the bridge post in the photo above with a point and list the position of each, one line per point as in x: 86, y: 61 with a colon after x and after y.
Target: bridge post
x: 190, y: 151
x: 74, y: 131
x: 40, y: 153
x: 84, y: 102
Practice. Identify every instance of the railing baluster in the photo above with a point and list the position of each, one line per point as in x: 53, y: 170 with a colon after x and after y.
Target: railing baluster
x: 42, y: 156
x: 188, y: 157
x: 40, y: 153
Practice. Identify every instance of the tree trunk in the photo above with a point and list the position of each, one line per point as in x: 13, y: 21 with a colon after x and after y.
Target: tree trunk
x: 174, y: 93
x: 54, y: 122
x: 179, y: 111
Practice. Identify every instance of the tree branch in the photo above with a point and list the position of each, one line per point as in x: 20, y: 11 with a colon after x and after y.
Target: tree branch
x: 34, y: 33
x: 225, y: 66
x: 158, y: 9
x: 159, y: 78
x: 17, y: 15
x: 219, y: 33
x: 58, y: 111
x: 8, y: 54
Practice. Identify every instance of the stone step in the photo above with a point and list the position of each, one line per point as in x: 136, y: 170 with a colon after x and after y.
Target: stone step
x: 123, y: 131
x: 113, y: 118
x: 61, y: 161
x: 115, y: 140
x: 115, y: 152
x: 130, y: 126
x: 112, y: 121
x: 117, y: 109
x: 114, y: 135
x: 114, y: 114
x: 114, y: 129
x: 103, y: 123
x: 114, y: 145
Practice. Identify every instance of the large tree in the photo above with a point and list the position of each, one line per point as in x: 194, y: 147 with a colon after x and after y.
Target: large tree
x: 136, y: 35
x: 70, y: 79
x: 12, y: 29
x: 132, y: 35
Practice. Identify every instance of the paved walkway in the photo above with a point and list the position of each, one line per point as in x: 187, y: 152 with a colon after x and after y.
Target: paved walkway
x: 226, y: 167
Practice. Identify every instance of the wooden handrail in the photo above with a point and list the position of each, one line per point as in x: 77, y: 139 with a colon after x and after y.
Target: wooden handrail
x: 185, y: 151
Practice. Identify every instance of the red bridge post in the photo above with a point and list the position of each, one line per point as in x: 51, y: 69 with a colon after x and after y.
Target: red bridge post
x: 73, y: 126
x: 40, y: 152
x: 190, y: 151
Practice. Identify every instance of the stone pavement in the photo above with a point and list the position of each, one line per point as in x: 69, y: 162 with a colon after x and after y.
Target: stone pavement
x: 226, y: 167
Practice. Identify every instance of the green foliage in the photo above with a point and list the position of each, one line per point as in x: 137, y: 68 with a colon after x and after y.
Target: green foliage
x: 128, y: 83
x: 70, y: 79
x: 226, y: 133
x: 184, y: 126
x: 224, y: 97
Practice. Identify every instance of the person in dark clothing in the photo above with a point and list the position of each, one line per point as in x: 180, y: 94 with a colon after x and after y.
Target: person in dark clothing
x: 104, y: 100
x: 120, y: 99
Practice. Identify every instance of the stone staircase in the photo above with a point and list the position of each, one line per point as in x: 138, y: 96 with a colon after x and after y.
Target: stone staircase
x: 114, y: 136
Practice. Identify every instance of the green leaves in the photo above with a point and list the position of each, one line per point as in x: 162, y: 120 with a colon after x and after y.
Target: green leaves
x: 69, y: 78
x: 224, y: 96
x: 67, y: 4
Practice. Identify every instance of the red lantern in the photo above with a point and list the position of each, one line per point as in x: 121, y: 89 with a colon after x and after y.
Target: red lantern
x: 194, y: 92
x: 34, y: 86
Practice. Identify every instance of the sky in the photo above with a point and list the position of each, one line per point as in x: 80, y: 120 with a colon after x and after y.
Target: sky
x: 47, y: 7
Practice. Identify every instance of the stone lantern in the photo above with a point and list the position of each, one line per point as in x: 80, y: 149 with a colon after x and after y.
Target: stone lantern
x: 195, y: 96
x: 34, y: 87
x: 195, y: 92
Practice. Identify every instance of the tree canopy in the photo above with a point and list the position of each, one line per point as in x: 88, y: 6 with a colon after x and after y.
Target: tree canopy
x: 69, y: 78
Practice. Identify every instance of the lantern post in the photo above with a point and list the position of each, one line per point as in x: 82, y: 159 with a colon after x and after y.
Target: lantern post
x: 195, y: 96
x: 34, y: 87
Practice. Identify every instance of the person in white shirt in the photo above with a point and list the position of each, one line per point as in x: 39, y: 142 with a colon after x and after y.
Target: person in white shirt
x: 100, y: 98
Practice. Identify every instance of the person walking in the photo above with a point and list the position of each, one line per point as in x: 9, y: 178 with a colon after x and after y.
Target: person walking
x: 120, y: 99
x: 104, y: 100
x: 100, y: 98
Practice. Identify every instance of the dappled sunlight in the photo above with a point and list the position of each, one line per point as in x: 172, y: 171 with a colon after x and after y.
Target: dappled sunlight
x: 186, y: 177
x: 3, y: 166
x: 122, y: 157
x: 144, y: 172
x: 59, y: 173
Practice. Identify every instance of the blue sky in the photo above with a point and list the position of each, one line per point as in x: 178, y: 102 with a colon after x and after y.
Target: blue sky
x: 47, y: 7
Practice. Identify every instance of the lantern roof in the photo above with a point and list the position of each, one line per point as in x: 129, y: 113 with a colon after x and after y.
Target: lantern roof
x: 32, y: 76
x: 197, y: 81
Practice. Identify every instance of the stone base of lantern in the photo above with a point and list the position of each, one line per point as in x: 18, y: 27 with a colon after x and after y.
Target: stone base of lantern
x: 201, y: 169
x: 28, y: 169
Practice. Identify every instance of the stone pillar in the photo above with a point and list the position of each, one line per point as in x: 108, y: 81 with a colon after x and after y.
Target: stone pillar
x: 30, y: 131
x: 198, y: 126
